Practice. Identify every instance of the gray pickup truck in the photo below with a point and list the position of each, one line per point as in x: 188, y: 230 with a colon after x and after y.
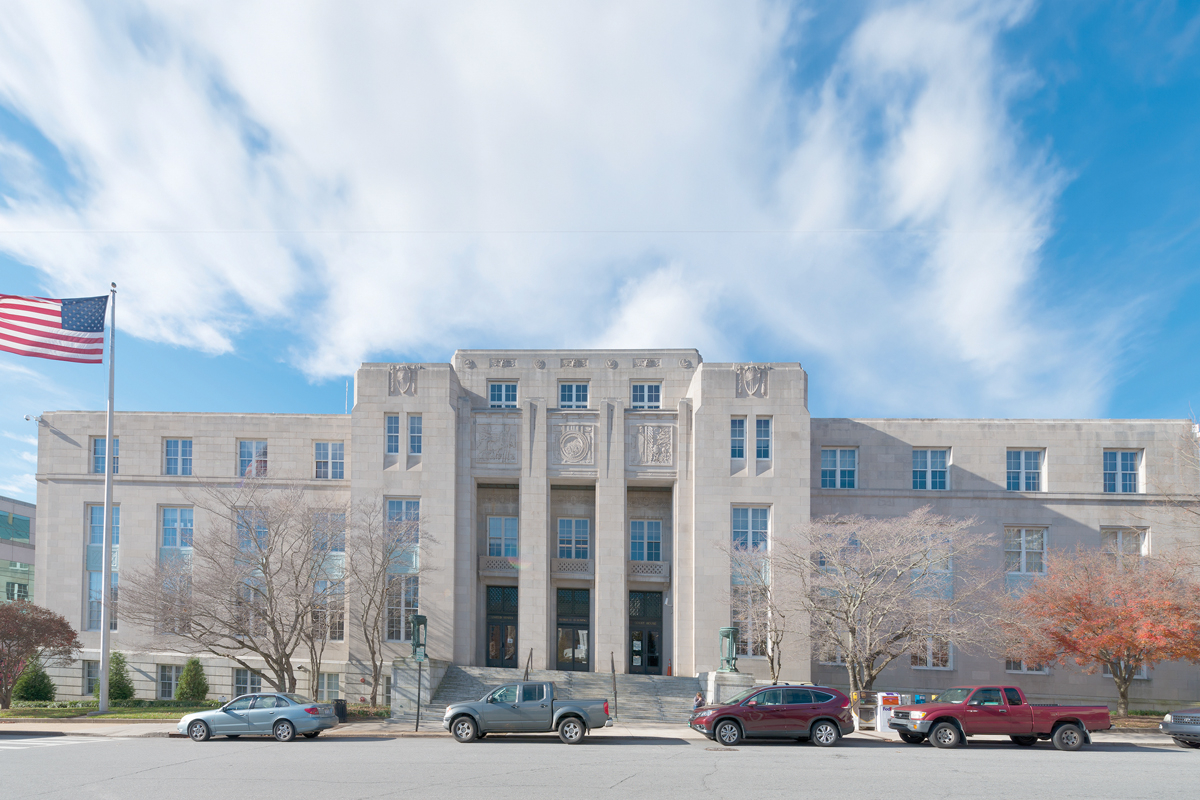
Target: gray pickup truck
x: 525, y: 707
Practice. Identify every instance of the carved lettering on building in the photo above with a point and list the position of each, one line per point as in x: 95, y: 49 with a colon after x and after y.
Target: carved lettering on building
x: 576, y: 444
x: 573, y: 362
x: 751, y: 380
x: 653, y: 445
x: 504, y: 362
x: 647, y: 362
x: 402, y: 379
x: 495, y: 443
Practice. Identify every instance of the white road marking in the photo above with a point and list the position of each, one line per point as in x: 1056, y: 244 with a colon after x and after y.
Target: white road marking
x: 16, y: 743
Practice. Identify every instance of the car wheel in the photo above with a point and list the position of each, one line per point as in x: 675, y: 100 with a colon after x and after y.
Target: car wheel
x: 198, y: 731
x: 912, y: 738
x: 284, y: 731
x: 233, y: 736
x: 571, y: 730
x: 1183, y: 743
x: 825, y: 734
x: 728, y: 733
x: 464, y: 729
x: 1068, y: 737
x: 312, y: 735
x: 945, y: 734
x: 1024, y: 741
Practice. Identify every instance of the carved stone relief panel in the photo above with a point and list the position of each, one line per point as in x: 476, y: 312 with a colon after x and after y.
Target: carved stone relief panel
x: 402, y: 379
x: 540, y: 363
x: 576, y: 444
x: 653, y: 445
x: 496, y: 443
x: 573, y: 362
x: 686, y: 363
x: 751, y: 380
x: 611, y: 363
x: 647, y: 362
x: 503, y: 362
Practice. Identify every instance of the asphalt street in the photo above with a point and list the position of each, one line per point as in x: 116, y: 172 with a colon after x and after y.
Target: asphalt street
x: 531, y: 767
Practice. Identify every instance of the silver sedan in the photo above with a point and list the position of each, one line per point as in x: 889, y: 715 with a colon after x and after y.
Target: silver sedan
x: 280, y: 715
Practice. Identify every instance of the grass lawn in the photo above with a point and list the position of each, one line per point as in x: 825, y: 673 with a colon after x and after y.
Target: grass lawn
x: 118, y: 713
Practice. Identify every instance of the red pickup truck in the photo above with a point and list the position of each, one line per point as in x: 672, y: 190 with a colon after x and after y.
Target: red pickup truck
x: 997, y: 711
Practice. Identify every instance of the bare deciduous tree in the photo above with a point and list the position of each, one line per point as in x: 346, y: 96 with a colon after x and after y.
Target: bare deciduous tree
x: 246, y: 583
x: 877, y: 589
x: 761, y: 599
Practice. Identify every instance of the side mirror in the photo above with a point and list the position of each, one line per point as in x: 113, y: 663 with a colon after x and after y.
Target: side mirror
x: 491, y: 699
x: 975, y: 703
x: 752, y: 704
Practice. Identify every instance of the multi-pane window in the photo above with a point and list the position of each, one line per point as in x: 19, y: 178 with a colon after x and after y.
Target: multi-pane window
x: 572, y: 395
x: 91, y: 677
x: 1026, y: 667
x: 403, y: 593
x: 502, y: 536
x: 1121, y: 470
x: 329, y: 531
x: 1125, y: 541
x: 328, y: 687
x: 178, y: 457
x: 572, y: 538
x: 16, y: 591
x: 414, y: 434
x: 645, y: 540
x: 747, y: 614
x: 251, y: 531
x: 750, y: 527
x: 1142, y: 673
x: 98, y: 446
x: 95, y: 566
x: 929, y: 469
x: 737, y: 437
x: 168, y: 680
x: 252, y: 459
x: 502, y: 395
x: 329, y: 610
x: 330, y: 459
x: 647, y: 395
x: 246, y: 681
x: 177, y: 527
x: 839, y: 468
x: 1025, y: 550
x: 762, y: 438
x: 931, y: 653
x: 404, y: 523
x: 392, y: 427
x: 1024, y: 470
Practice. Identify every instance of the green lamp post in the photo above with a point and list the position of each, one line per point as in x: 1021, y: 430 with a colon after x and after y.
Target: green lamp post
x: 419, y: 629
x: 728, y: 650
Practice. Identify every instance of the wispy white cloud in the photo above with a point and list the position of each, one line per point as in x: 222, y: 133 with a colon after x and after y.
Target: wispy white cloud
x: 393, y: 178
x: 21, y: 438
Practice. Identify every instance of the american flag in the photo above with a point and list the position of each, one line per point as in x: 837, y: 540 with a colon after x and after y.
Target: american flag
x: 71, y: 329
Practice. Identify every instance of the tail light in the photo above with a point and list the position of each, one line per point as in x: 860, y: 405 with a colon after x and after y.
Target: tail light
x: 846, y: 703
x: 312, y: 710
x: 606, y: 708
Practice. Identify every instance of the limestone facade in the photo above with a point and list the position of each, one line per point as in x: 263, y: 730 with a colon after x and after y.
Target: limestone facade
x: 629, y: 455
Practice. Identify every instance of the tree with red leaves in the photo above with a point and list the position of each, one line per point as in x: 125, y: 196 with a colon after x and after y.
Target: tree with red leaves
x: 28, y: 631
x: 1108, y: 609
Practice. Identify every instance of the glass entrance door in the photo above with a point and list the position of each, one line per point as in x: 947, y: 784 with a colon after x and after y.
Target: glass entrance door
x: 645, y: 633
x: 574, y: 631
x: 502, y: 626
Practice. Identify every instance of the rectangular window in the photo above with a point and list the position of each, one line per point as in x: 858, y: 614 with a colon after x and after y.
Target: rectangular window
x: 502, y: 395
x: 1125, y: 541
x: 168, y: 679
x: 402, y: 602
x: 414, y: 434
x: 1024, y: 470
x: 747, y: 614
x: 929, y: 469
x: 95, y: 566
x: 329, y: 610
x: 16, y: 591
x: 502, y: 536
x: 329, y: 531
x: 750, y: 527
x: 404, y: 524
x: 932, y: 653
x: 328, y: 687
x: 1025, y: 550
x: 177, y: 527
x: 1121, y: 470
x: 572, y: 538
x: 737, y: 437
x: 1026, y: 668
x: 1142, y: 674
x: 245, y: 682
x: 392, y: 427
x: 572, y: 395
x: 762, y: 438
x: 91, y: 677
x: 647, y: 395
x: 839, y: 468
x: 645, y: 540
x: 330, y: 460
x: 98, y: 445
x: 252, y: 459
x: 251, y: 531
x: 178, y: 457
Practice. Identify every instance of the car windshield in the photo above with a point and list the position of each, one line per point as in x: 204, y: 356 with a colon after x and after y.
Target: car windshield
x: 737, y: 698
x: 298, y: 699
x: 956, y: 695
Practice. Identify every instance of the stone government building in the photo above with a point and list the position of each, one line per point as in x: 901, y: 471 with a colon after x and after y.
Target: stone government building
x: 581, y: 502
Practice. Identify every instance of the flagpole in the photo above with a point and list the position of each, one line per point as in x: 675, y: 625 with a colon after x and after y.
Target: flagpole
x: 106, y: 552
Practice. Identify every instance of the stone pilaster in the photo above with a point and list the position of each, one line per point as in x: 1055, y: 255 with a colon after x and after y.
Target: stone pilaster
x: 611, y: 595
x: 535, y: 607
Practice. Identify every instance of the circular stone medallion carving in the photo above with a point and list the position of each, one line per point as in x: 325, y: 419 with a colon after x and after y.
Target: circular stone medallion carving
x: 540, y: 364
x: 574, y: 447
x: 612, y: 363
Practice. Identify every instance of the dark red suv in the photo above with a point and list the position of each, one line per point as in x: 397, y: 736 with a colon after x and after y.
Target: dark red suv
x: 780, y: 712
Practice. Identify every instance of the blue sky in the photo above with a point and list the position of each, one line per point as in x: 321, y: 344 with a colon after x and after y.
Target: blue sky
x: 940, y: 208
